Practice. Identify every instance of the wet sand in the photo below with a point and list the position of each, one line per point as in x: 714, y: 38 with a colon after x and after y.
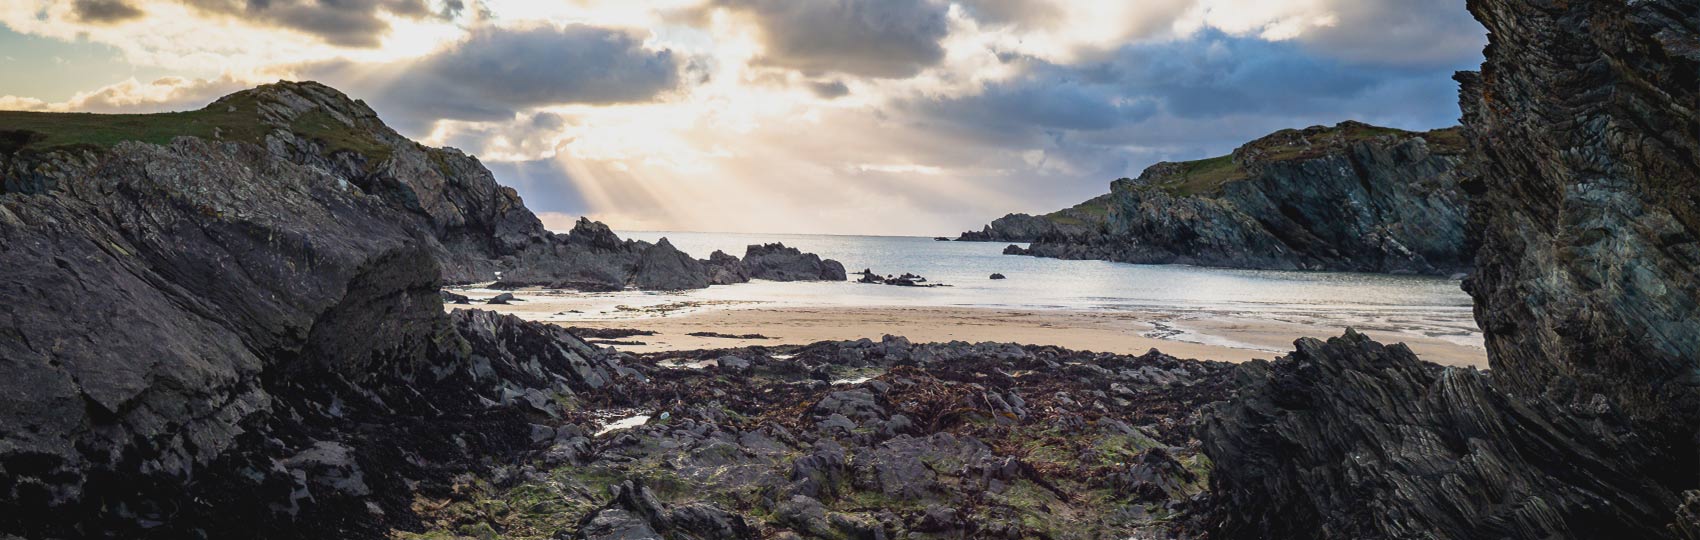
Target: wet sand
x: 1198, y: 334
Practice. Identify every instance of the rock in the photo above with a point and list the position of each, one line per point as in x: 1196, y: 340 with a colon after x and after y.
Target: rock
x: 501, y: 299
x: 454, y: 298
x: 662, y: 267
x: 617, y: 524
x: 724, y: 269
x: 1585, y: 201
x: 779, y: 263
x: 247, y: 335
x: 733, y: 363
x: 1084, y: 218
x: 1436, y: 452
x: 1351, y: 197
x: 998, y: 276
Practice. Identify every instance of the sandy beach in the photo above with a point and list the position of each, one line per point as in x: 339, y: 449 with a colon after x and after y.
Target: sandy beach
x: 1196, y: 334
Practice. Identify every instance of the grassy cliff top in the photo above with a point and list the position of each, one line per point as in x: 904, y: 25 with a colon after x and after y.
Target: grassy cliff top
x: 1091, y: 212
x: 239, y: 117
x: 1205, y: 176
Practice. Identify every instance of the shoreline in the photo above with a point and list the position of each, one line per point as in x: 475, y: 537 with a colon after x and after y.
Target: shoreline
x: 1198, y: 334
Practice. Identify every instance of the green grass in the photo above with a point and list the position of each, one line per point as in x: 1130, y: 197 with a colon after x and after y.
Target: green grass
x: 1202, y: 177
x: 235, y: 118
x: 1096, y: 210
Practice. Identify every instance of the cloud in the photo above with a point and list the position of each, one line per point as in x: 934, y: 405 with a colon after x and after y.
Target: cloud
x: 1386, y: 32
x: 871, y: 38
x: 496, y: 72
x: 1027, y: 13
x: 347, y: 23
x: 132, y: 96
x: 104, y: 11
x: 829, y: 89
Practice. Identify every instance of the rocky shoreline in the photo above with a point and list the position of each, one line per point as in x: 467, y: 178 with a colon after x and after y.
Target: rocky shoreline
x: 245, y: 337
x: 1351, y: 197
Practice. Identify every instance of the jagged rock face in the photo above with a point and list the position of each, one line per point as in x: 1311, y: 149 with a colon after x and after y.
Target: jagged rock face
x: 235, y: 340
x: 1351, y: 198
x: 1583, y: 118
x: 1352, y: 439
x: 777, y: 262
x: 664, y: 267
x: 1581, y: 127
x: 1084, y: 218
x: 478, y: 230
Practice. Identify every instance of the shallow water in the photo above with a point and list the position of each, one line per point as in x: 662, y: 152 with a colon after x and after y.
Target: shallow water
x: 1036, y: 283
x: 1429, y: 306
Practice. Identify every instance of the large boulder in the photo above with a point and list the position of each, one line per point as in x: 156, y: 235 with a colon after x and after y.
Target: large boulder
x: 663, y: 267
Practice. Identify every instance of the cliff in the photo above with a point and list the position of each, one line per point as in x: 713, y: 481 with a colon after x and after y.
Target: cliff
x: 226, y: 323
x: 1084, y: 218
x: 1586, y: 208
x: 478, y: 230
x: 1351, y: 197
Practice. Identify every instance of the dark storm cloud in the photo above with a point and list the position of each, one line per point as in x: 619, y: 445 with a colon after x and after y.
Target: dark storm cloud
x: 1209, y: 77
x: 830, y: 89
x: 1026, y: 13
x: 104, y: 11
x: 348, y: 23
x: 872, y: 38
x: 497, y: 72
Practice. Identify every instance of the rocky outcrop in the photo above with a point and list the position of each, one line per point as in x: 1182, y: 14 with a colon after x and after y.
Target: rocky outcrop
x: 866, y: 439
x: 1586, y: 208
x: 1084, y: 218
x: 206, y: 339
x: 1352, y: 197
x: 776, y: 262
x: 476, y: 229
x: 1352, y: 439
x: 664, y: 267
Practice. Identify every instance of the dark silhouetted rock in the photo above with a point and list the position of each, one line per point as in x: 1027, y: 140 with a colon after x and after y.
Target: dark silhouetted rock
x: 779, y: 263
x: 662, y: 267
x: 998, y: 276
x: 724, y: 269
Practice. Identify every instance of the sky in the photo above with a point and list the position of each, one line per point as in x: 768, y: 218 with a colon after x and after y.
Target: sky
x: 905, y: 117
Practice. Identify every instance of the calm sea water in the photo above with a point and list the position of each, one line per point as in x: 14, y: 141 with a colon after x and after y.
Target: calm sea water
x: 1035, y: 283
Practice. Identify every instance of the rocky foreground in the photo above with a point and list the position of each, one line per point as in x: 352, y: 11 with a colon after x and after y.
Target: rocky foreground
x: 1351, y: 197
x: 223, y: 336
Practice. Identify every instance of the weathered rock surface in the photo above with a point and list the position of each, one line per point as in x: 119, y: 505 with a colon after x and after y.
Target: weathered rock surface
x: 777, y: 262
x: 476, y: 229
x: 663, y: 267
x: 204, y: 339
x: 1352, y: 439
x: 1352, y: 197
x: 1084, y: 218
x: 966, y: 440
x: 1586, y: 209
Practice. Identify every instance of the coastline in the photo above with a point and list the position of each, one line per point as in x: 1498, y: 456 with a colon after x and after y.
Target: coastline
x: 1199, y: 334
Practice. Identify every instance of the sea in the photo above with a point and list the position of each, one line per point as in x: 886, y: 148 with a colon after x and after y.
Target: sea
x: 1039, y: 283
